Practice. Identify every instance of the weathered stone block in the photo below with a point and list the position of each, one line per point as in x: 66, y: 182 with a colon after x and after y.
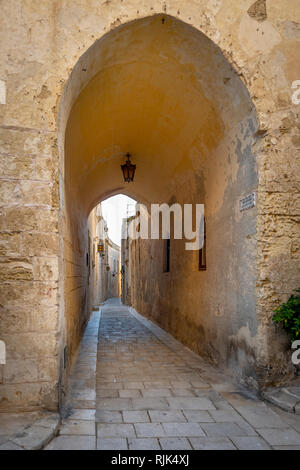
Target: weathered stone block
x: 25, y: 192
x: 15, y: 269
x: 279, y: 203
x: 44, y: 168
x: 73, y: 443
x: 48, y: 369
x: 28, y: 396
x: 9, y: 244
x: 17, y: 167
x: 34, y: 192
x: 35, y: 244
x: 22, y: 142
x: 21, y: 370
x: 30, y: 345
x: 22, y: 219
x: 45, y: 269
x: 28, y: 306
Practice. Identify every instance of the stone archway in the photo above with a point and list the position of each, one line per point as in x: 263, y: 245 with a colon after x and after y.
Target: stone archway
x: 164, y: 92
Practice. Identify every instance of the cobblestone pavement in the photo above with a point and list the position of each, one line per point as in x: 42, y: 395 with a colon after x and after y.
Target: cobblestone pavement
x: 153, y: 393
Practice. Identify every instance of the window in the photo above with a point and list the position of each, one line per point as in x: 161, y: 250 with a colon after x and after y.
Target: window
x: 202, y: 252
x: 167, y: 256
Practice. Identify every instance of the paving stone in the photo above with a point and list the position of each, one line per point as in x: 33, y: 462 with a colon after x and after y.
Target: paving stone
x: 109, y: 386
x: 191, y: 403
x: 149, y: 430
x: 225, y: 416
x: 260, y: 416
x: 223, y: 429
x: 197, y: 383
x: 111, y: 444
x: 211, y: 443
x: 35, y: 437
x: 223, y: 387
x: 286, y: 447
x: 215, y: 398
x: 238, y: 399
x: 290, y: 419
x: 167, y: 416
x: 12, y: 423
x: 72, y: 443
x: 182, y: 392
x: 247, y: 428
x: 84, y: 395
x: 83, y: 404
x: 178, y: 443
x: 50, y: 422
x: 156, y: 392
x: 250, y: 443
x: 4, y: 439
x: 183, y: 429
x: 83, y: 414
x: 81, y: 427
x: 108, y: 393
x: 10, y: 446
x: 136, y: 417
x: 103, y: 416
x: 115, y: 404
x: 198, y: 416
x: 280, y: 437
x: 130, y: 393
x: 115, y: 430
x: 158, y: 384
x: 183, y: 384
x: 149, y: 404
x: 133, y: 385
x: 143, y: 444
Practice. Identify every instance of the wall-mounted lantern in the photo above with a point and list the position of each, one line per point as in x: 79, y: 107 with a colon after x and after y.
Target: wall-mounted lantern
x: 101, y: 250
x: 128, y: 169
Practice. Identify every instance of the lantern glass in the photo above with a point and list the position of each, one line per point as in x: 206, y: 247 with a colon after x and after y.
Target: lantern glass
x: 125, y: 172
x: 128, y: 169
x: 131, y: 171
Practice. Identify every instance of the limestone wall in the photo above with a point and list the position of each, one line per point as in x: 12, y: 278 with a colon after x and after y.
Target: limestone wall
x: 113, y: 272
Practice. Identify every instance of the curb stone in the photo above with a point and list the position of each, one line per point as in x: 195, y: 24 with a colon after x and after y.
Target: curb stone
x: 35, y: 436
x: 288, y: 399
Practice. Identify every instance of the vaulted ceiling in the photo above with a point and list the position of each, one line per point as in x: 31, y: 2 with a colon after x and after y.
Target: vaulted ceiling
x: 163, y: 92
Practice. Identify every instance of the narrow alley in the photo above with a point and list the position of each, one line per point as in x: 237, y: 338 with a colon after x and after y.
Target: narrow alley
x: 135, y: 387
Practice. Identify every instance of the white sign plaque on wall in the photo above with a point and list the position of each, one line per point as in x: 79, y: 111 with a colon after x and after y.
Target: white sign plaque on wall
x: 2, y: 353
x: 2, y: 92
x: 247, y: 202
